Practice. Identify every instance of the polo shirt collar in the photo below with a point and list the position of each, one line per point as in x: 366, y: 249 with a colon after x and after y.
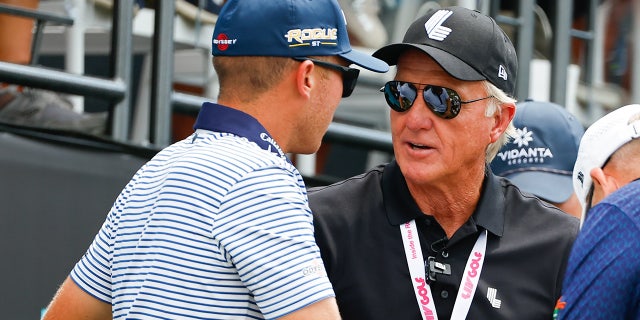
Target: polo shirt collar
x: 401, y: 208
x: 216, y: 117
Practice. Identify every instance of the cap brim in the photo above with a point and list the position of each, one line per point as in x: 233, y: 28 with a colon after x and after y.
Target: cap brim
x: 454, y: 66
x: 366, y: 61
x: 553, y: 187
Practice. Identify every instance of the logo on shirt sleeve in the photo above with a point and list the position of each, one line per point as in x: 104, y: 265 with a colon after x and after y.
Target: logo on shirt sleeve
x: 315, y: 268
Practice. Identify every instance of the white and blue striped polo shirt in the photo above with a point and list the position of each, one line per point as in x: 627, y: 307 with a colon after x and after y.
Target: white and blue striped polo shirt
x: 212, y: 227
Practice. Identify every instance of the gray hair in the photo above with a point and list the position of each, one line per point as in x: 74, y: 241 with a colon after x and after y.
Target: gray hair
x: 493, y: 108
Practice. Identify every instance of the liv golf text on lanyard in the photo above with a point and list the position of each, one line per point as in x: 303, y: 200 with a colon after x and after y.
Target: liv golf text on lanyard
x: 470, y: 277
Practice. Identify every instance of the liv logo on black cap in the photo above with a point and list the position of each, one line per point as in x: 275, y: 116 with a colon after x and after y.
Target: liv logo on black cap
x: 434, y: 27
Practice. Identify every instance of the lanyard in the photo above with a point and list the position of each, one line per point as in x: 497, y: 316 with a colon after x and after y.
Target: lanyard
x: 216, y: 117
x: 422, y: 290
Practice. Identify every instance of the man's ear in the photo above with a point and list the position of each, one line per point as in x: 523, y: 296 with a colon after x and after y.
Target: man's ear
x: 304, y: 79
x: 502, y: 119
x: 606, y: 183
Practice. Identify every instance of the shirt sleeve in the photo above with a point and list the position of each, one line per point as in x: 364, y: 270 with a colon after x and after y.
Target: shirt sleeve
x: 93, y: 272
x: 265, y: 229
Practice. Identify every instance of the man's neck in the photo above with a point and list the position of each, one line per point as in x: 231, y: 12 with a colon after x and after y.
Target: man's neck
x: 450, y: 205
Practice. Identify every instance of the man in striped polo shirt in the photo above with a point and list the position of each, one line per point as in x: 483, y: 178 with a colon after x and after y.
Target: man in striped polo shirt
x: 217, y: 226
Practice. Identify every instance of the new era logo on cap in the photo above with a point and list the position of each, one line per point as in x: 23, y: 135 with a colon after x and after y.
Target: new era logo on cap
x: 502, y: 72
x: 435, y: 29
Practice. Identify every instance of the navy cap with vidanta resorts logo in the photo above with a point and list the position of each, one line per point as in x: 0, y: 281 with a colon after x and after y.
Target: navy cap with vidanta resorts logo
x: 541, y: 156
x: 287, y: 28
x: 465, y: 43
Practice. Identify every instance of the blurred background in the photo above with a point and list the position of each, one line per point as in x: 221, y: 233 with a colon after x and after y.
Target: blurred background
x: 143, y: 83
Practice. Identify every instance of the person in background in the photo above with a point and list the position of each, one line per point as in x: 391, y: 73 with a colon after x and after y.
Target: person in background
x: 603, y: 275
x: 364, y: 24
x: 218, y: 225
x: 540, y: 158
x: 29, y: 106
x: 435, y: 234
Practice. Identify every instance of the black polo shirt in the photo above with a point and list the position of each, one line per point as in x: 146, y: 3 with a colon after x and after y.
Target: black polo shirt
x: 357, y: 229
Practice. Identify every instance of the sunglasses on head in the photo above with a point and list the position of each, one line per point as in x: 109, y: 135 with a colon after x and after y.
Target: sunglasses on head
x: 349, y: 75
x: 444, y: 102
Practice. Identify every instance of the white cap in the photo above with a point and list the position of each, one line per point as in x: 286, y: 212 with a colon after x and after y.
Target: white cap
x: 599, y: 142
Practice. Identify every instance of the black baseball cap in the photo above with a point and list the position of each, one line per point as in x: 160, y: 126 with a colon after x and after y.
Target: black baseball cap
x: 467, y: 44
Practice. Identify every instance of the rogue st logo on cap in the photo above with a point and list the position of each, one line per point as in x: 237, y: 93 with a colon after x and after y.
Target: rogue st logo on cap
x: 312, y: 37
x: 435, y: 29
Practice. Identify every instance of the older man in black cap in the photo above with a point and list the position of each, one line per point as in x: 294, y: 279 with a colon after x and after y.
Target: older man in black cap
x: 435, y: 234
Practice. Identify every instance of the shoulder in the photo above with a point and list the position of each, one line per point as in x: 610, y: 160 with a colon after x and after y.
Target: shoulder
x: 619, y: 213
x: 530, y: 212
x: 626, y: 200
x: 345, y: 190
x: 218, y: 163
x: 347, y: 199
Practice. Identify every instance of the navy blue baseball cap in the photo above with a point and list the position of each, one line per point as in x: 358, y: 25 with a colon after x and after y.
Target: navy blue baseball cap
x: 541, y: 156
x: 287, y: 28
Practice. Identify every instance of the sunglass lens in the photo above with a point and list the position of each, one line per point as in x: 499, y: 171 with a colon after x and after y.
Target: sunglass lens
x: 442, y: 101
x: 400, y: 95
x: 349, y: 80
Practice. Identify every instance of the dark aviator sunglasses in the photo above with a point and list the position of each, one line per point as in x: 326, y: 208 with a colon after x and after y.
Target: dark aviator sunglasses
x: 444, y: 102
x: 349, y: 75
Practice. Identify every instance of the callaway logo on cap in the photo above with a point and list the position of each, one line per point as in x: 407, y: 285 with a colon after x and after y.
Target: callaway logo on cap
x: 467, y: 44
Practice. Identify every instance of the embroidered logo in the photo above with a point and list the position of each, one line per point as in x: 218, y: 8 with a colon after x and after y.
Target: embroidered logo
x: 435, y: 29
x: 581, y: 178
x: 223, y: 42
x: 523, y: 138
x: 502, y: 72
x: 491, y: 296
x: 560, y: 305
x: 525, y: 153
x: 313, y: 37
x: 315, y: 268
